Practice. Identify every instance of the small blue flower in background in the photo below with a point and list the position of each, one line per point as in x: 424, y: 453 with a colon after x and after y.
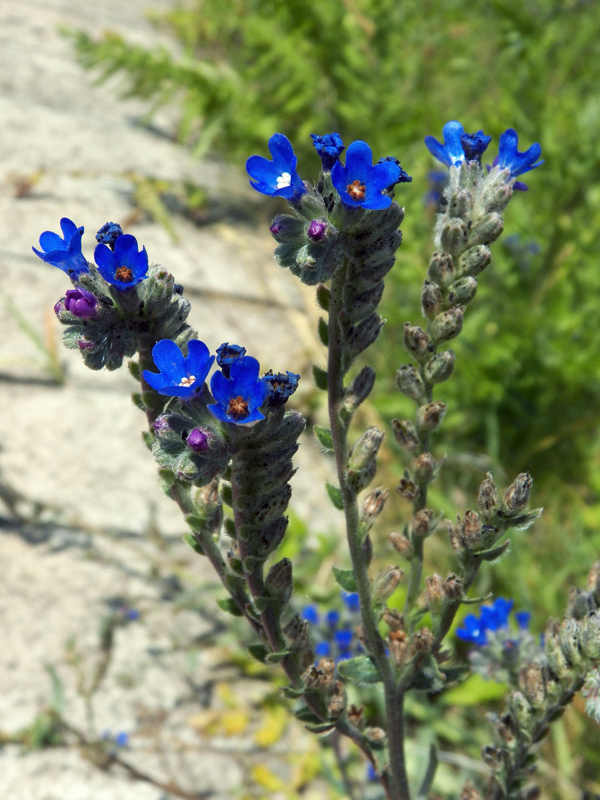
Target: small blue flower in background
x: 496, y: 616
x: 359, y: 183
x: 109, y: 233
x: 492, y: 618
x: 329, y: 147
x: 322, y: 649
x: 227, y: 354
x: 334, y: 631
x: 510, y: 158
x: 179, y: 376
x: 122, y: 739
x: 240, y: 397
x: 523, y: 618
x: 473, y: 630
x: 310, y: 614
x: 277, y: 178
x: 125, y: 267
x: 332, y: 617
x: 372, y: 773
x: 343, y: 639
x: 451, y: 152
x: 64, y: 253
x: 351, y: 599
x: 280, y: 387
x: 133, y: 614
x: 474, y: 145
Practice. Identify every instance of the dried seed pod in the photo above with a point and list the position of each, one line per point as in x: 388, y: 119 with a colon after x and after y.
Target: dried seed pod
x: 405, y: 434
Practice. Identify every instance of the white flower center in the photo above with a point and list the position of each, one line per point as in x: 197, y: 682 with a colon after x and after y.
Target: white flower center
x: 284, y: 180
x: 187, y: 381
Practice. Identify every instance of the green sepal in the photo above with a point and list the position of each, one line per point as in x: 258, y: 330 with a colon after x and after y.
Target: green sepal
x: 250, y: 563
x: 323, y: 297
x: 361, y: 671
x: 260, y: 604
x: 493, y: 553
x: 323, y: 727
x: 134, y: 369
x: 259, y: 652
x: 234, y: 583
x: 192, y: 542
x: 196, y: 522
x: 293, y: 694
x: 345, y: 578
x: 335, y: 496
x: 304, y: 714
x: 320, y: 377
x: 227, y: 495
x: 136, y: 399
x: 471, y: 601
x: 230, y: 606
x: 237, y: 566
x: 148, y: 439
x: 230, y: 527
x: 428, y: 678
x: 455, y: 674
x: 323, y: 329
x: 275, y: 658
x: 324, y: 436
x: 167, y: 477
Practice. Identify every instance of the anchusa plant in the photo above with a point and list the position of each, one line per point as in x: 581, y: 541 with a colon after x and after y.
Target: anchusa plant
x: 225, y: 446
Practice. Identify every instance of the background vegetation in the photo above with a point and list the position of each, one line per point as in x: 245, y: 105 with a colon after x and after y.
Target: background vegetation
x: 527, y: 390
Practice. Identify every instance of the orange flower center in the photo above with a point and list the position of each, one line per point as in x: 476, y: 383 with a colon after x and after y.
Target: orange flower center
x: 238, y: 407
x: 356, y: 190
x: 124, y: 274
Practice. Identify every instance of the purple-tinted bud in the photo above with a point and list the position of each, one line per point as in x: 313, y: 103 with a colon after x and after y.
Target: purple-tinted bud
x: 276, y: 227
x: 59, y: 308
x: 198, y: 441
x: 85, y: 345
x: 109, y: 233
x: 80, y: 303
x: 161, y: 425
x: 317, y: 230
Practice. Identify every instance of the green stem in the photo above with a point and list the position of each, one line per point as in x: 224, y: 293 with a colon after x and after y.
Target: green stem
x: 398, y: 787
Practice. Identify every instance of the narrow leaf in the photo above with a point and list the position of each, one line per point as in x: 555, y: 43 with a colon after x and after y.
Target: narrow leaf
x: 335, y: 496
x: 430, y: 774
x: 323, y: 332
x: 323, y: 295
x: 323, y: 727
x: 192, y: 542
x: 228, y: 605
x: 345, y: 578
x: 320, y: 377
x: 259, y: 652
x: 324, y: 436
x: 493, y: 553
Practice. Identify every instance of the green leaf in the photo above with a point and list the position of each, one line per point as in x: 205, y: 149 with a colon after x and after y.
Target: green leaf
x: 430, y: 774
x: 320, y: 377
x: 323, y: 332
x: 493, y: 553
x: 230, y: 527
x: 136, y: 398
x: 304, y: 714
x: 134, y: 369
x: 275, y: 658
x: 259, y: 652
x: 361, y: 671
x: 323, y: 727
x: 230, y: 606
x: 192, y: 542
x: 323, y: 296
x: 196, y: 522
x: 324, y: 436
x: 226, y: 494
x: 345, y: 578
x: 335, y: 496
x: 167, y: 476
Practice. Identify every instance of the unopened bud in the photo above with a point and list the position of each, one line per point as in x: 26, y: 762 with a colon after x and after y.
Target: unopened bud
x: 423, y: 468
x: 471, y: 530
x: 405, y: 434
x: 569, y: 641
x: 402, y: 544
x: 286, y: 228
x: 441, y: 367
x: 423, y: 639
x: 557, y: 660
x: 461, y: 204
x: 318, y: 230
x: 488, y: 500
x: 279, y: 580
x: 360, y: 388
x: 386, y: 583
x: 516, y: 496
x: 337, y: 702
x: 492, y: 755
x: 590, y: 636
x: 531, y: 683
x: 417, y: 342
x: 410, y: 382
x: 498, y: 197
x: 462, y: 291
x: 434, y: 590
x: 431, y: 299
x: 393, y: 619
x: 507, y: 728
x: 454, y: 236
x: 365, y: 449
x: 429, y: 417
x: 376, y: 736
x: 441, y: 268
x: 453, y: 586
x: 359, y: 479
x: 581, y: 603
x: 475, y: 260
x: 455, y: 537
x: 448, y: 324
x: 521, y: 709
x: 399, y: 646
x: 373, y: 505
x: 355, y: 714
x: 421, y: 523
x: 486, y: 229
x: 408, y: 489
x: 296, y: 632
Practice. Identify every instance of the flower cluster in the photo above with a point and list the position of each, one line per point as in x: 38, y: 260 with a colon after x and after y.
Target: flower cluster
x: 459, y: 146
x: 335, y: 631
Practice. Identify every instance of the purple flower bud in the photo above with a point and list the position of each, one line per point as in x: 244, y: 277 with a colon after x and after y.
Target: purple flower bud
x: 85, y: 345
x: 80, y: 303
x: 161, y: 425
x: 317, y: 230
x: 276, y: 228
x: 59, y: 308
x: 198, y: 441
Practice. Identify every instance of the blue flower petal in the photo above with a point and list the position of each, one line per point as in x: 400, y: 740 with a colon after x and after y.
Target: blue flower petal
x: 264, y: 171
x: 50, y: 241
x: 126, y: 249
x: 68, y: 228
x: 451, y: 152
x: 199, y: 359
x: 156, y: 380
x: 510, y: 158
x: 244, y: 373
x: 282, y: 151
x: 221, y: 389
x: 359, y: 162
x: 169, y: 359
x: 104, y: 258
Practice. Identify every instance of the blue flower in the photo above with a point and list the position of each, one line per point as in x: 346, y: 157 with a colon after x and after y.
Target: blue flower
x: 372, y: 773
x: 450, y: 153
x: 122, y: 739
x: 343, y: 639
x: 109, y: 233
x: 310, y: 614
x: 280, y: 387
x: 64, y: 253
x: 125, y: 267
x: 523, y: 618
x: 518, y: 163
x: 332, y: 617
x: 322, y: 649
x: 133, y: 614
x: 351, y: 599
x: 278, y: 177
x: 474, y: 145
x: 496, y: 616
x: 227, y: 354
x: 329, y: 147
x: 359, y: 183
x: 179, y: 376
x: 473, y: 630
x: 240, y: 397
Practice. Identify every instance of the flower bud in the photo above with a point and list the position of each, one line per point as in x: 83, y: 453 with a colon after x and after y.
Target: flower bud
x: 516, y: 496
x: 454, y: 236
x: 488, y: 500
x: 434, y: 591
x: 471, y: 530
x: 410, y: 382
x: 80, y: 303
x: 441, y: 268
x: 441, y: 367
x: 365, y: 449
x: 448, y: 324
x: 423, y: 468
x: 453, y: 586
x: 461, y: 204
x: 376, y: 736
x: 475, y: 260
x: 455, y: 537
x: 590, y: 636
x: 198, y: 440
x: 405, y: 434
x: 492, y: 755
x: 399, y: 646
x: 421, y: 523
x: 554, y: 653
x: 279, y: 580
x: 486, y: 229
x: 521, y: 709
x: 373, y: 505
x: 386, y: 583
x: 359, y: 479
x: 423, y: 640
x: 429, y: 417
x: 286, y: 228
x: 393, y: 619
x: 161, y: 425
x: 317, y: 230
x: 355, y: 714
x: 531, y: 683
x: 431, y: 299
x: 360, y: 388
x: 417, y: 342
x: 581, y: 603
x: 408, y: 489
x: 402, y: 544
x: 498, y: 197
x: 569, y: 641
x: 462, y: 291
